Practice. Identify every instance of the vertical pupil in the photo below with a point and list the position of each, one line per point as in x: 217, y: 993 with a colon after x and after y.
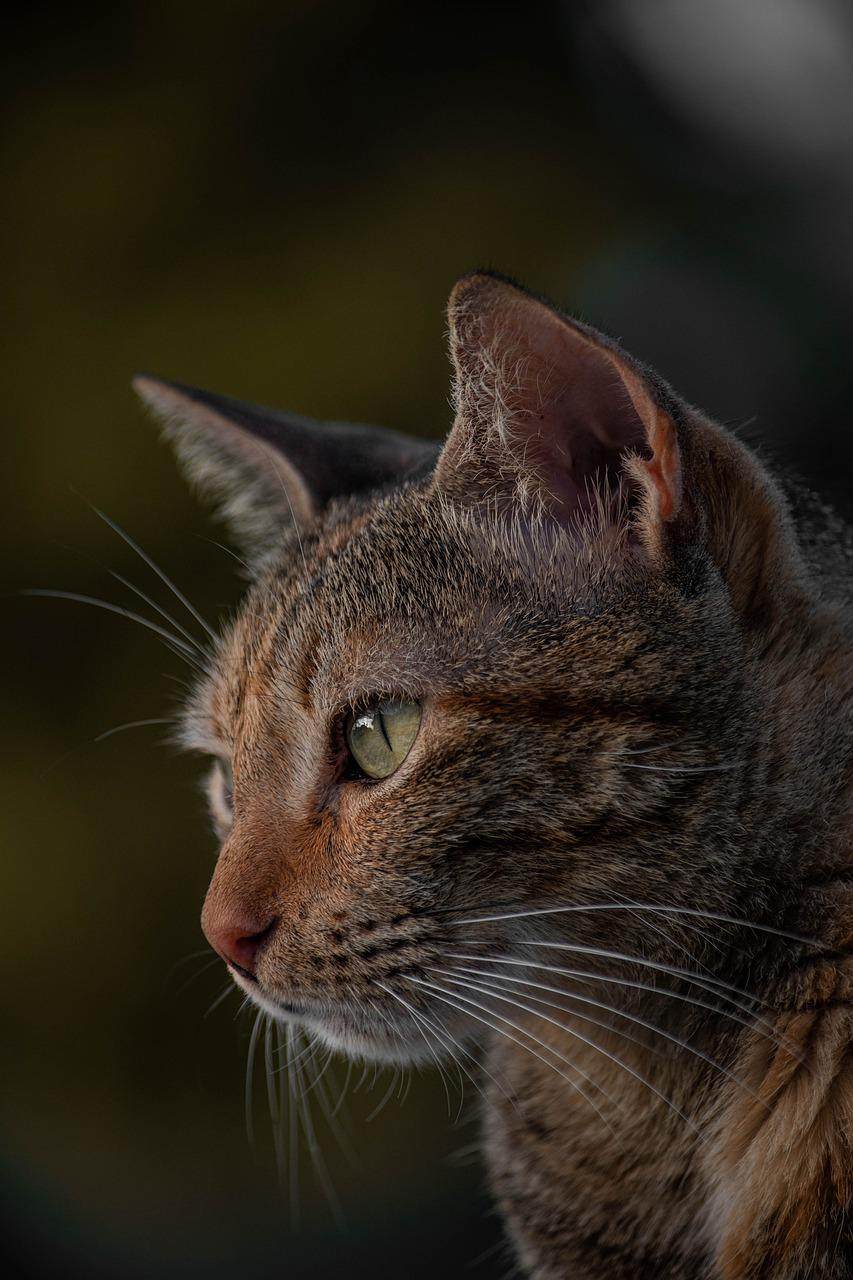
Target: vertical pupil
x: 380, y: 736
x: 380, y: 717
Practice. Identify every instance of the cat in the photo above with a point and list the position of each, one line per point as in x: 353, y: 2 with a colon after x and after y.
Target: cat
x: 540, y: 740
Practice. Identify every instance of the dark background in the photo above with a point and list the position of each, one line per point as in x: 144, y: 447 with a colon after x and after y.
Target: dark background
x: 273, y: 200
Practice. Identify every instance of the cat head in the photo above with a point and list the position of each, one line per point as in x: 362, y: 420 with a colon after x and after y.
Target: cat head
x: 472, y: 685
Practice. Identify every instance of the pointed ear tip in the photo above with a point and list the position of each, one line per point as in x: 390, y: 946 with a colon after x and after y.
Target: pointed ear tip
x: 166, y: 401
x: 164, y: 398
x: 481, y: 280
x: 148, y: 387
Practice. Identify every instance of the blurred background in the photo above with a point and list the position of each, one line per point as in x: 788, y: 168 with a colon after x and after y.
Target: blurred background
x: 273, y: 200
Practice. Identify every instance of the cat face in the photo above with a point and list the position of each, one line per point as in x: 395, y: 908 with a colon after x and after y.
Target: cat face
x: 461, y: 685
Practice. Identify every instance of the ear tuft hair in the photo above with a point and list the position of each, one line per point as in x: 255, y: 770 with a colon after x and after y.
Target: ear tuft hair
x: 265, y: 469
x: 550, y: 413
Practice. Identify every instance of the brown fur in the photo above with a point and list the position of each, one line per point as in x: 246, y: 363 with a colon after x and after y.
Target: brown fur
x: 633, y: 659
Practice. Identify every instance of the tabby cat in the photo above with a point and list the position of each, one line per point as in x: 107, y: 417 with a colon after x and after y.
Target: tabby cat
x: 540, y: 740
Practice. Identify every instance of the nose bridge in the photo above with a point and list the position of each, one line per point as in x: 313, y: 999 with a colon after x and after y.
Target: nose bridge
x: 272, y: 863
x: 248, y: 877
x: 240, y: 910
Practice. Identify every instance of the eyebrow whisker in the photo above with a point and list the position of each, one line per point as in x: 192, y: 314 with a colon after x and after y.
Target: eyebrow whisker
x: 164, y: 577
x: 178, y: 645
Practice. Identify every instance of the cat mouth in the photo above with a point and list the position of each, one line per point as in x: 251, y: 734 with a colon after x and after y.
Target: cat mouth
x: 346, y: 1026
x: 267, y: 1000
x: 309, y: 1010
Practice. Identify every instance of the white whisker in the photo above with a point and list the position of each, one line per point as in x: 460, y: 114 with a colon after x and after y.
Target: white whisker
x: 686, y: 768
x: 273, y: 1096
x: 343, y: 1093
x: 386, y: 1097
x: 752, y: 1023
x: 657, y: 928
x: 314, y: 1149
x: 716, y: 986
x: 152, y: 604
x: 292, y: 1132
x: 250, y: 1074
x: 134, y: 546
x: 193, y: 976
x: 448, y: 999
x: 223, y: 995
x: 132, y: 724
x: 229, y: 551
x: 244, y: 1004
x: 277, y: 469
x: 619, y: 1013
x: 462, y: 976
x: 178, y: 645
x: 642, y: 907
x: 445, y: 1040
x: 330, y: 1114
x: 577, y: 1035
x: 426, y: 1040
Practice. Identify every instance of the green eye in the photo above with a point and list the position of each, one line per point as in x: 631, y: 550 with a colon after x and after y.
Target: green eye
x: 381, y: 736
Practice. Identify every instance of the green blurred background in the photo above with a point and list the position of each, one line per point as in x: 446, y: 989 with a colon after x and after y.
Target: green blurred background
x: 273, y: 200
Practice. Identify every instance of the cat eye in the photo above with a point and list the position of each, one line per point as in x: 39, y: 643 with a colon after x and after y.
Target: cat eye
x: 221, y: 794
x: 380, y: 736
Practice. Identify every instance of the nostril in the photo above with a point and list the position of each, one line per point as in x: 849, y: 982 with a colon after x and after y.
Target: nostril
x: 240, y: 948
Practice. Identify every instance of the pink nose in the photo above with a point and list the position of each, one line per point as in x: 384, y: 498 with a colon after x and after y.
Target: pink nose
x: 237, y: 941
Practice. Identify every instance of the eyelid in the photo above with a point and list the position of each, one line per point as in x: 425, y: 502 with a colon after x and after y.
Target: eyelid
x: 220, y: 792
x: 227, y: 772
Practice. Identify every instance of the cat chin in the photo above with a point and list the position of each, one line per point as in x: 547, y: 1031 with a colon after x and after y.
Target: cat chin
x: 380, y: 1048
x: 344, y: 1033
x: 354, y: 1037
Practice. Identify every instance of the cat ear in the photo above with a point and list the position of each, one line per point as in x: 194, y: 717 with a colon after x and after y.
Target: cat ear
x: 548, y: 411
x: 267, y: 469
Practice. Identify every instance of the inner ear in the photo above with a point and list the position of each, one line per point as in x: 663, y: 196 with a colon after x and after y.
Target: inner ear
x: 548, y: 409
x: 574, y: 419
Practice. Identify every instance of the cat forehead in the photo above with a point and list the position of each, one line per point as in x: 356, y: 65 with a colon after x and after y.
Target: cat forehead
x: 417, y: 596
x: 416, y: 558
x: 413, y: 591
